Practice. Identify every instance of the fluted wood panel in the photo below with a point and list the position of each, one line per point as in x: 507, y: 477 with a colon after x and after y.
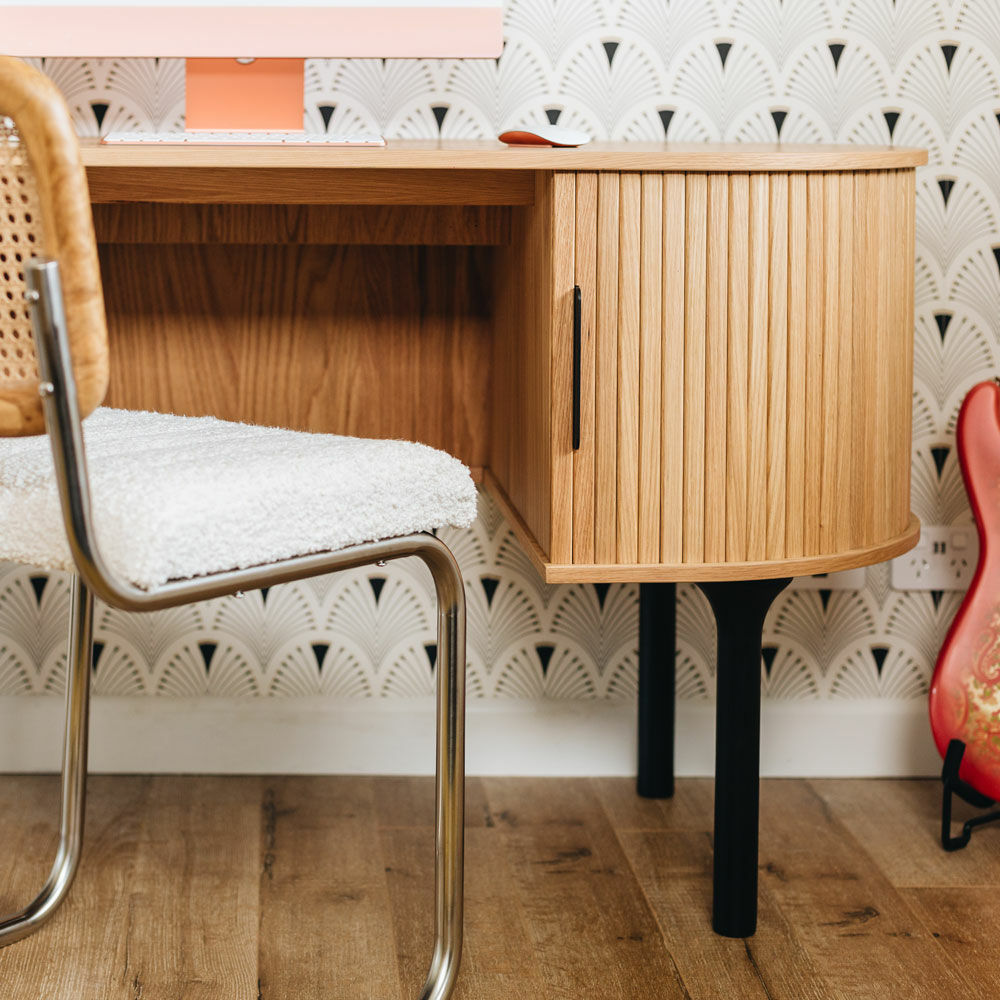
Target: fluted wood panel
x: 746, y: 369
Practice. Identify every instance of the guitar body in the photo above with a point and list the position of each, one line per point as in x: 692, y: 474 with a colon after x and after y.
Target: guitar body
x: 965, y: 689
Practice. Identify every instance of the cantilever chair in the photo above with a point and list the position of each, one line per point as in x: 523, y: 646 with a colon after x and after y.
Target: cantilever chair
x: 180, y: 509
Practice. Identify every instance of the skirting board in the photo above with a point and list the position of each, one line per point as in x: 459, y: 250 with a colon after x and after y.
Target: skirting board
x: 324, y: 736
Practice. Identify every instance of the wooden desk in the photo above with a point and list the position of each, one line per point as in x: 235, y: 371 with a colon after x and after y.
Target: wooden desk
x: 739, y: 369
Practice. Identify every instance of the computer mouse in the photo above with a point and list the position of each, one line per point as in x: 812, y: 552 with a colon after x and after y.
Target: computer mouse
x: 544, y: 135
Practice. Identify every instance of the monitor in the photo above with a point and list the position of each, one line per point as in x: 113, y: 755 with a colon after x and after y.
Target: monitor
x: 245, y: 58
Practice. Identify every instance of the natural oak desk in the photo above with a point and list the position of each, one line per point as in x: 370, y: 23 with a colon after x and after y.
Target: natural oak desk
x: 672, y: 362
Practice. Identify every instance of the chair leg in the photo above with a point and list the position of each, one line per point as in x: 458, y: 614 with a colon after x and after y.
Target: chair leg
x: 74, y: 773
x: 450, y: 770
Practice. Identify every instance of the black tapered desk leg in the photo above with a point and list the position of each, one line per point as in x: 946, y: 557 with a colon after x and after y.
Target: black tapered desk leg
x: 656, y: 689
x: 740, y: 607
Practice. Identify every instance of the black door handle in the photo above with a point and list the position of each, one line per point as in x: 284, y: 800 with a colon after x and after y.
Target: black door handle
x: 577, y: 347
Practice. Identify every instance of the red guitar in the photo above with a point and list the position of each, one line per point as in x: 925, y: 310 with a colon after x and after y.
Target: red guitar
x: 965, y: 689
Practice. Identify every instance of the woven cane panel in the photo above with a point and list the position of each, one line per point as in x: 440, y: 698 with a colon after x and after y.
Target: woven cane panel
x: 20, y: 240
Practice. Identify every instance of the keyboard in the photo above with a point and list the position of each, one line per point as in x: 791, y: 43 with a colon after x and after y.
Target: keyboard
x: 244, y: 138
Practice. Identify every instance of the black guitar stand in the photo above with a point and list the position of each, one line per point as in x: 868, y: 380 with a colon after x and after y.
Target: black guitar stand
x: 953, y: 785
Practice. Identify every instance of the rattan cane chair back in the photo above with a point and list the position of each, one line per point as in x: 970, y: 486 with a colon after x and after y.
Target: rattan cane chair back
x: 44, y: 212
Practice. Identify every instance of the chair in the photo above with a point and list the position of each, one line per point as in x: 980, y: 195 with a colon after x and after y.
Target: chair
x: 183, y: 509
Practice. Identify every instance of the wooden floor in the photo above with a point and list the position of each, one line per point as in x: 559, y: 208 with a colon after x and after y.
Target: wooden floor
x: 266, y: 889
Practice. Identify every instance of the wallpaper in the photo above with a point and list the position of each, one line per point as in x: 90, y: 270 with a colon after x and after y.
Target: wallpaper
x: 912, y: 72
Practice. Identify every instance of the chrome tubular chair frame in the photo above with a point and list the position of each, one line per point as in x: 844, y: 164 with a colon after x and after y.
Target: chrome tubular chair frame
x: 58, y: 392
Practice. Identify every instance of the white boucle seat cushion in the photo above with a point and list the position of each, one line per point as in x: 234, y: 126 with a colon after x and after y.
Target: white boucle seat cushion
x: 177, y: 497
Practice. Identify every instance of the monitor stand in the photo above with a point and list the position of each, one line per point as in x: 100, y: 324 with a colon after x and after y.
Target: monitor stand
x: 233, y: 94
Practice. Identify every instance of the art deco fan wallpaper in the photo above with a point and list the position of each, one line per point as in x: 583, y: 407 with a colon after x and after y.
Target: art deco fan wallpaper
x: 911, y: 72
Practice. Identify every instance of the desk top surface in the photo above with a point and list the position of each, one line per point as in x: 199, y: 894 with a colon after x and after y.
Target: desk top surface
x: 490, y: 155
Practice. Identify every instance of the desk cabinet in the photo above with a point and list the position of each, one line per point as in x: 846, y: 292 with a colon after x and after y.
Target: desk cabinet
x: 743, y: 373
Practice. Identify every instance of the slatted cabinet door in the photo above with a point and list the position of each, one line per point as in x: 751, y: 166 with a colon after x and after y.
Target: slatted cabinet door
x: 740, y: 374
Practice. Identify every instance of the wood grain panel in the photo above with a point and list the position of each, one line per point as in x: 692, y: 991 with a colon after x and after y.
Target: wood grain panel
x: 886, y: 324
x: 795, y: 464
x: 816, y: 264
x: 558, y: 308
x: 830, y: 495
x: 606, y: 413
x: 866, y: 362
x: 629, y: 241
x: 907, y: 207
x: 760, y: 373
x: 672, y: 397
x: 843, y: 516
x: 716, y: 361
x: 460, y: 225
x: 738, y: 374
x: 313, y: 338
x: 310, y: 186
x: 586, y: 278
x: 695, y: 276
x: 650, y: 403
x: 764, y: 299
x: 777, y: 359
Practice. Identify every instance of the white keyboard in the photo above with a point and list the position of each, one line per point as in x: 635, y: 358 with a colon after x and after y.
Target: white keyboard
x: 244, y: 138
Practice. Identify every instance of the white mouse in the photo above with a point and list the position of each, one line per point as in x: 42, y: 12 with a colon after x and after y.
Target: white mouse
x: 544, y: 135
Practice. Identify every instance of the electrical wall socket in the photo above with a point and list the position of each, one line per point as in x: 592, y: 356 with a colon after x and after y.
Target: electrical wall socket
x: 846, y: 579
x: 944, y: 559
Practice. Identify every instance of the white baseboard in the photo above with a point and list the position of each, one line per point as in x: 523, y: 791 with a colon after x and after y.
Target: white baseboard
x: 325, y: 736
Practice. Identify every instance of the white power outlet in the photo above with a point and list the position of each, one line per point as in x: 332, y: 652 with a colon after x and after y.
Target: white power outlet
x: 944, y: 559
x: 846, y: 579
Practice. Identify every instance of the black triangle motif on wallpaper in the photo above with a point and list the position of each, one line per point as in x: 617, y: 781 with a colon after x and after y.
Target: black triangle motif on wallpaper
x: 431, y: 649
x: 942, y: 319
x: 879, y: 653
x: 207, y: 652
x: 545, y: 651
x: 100, y: 109
x: 38, y: 586
x: 320, y: 649
x: 489, y: 585
x: 376, y: 583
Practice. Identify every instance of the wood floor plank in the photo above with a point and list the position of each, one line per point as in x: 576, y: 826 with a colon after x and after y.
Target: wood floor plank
x: 324, y: 897
x: 690, y: 808
x: 675, y: 871
x: 81, y: 952
x: 409, y: 802
x: 965, y: 922
x: 582, y: 906
x: 899, y: 823
x: 293, y: 888
x: 193, y: 903
x: 497, y: 959
x: 850, y: 920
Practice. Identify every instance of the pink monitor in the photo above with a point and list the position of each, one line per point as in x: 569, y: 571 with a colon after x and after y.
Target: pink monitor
x: 214, y: 34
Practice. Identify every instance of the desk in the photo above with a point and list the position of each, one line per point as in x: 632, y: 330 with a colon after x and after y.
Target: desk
x: 667, y: 362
